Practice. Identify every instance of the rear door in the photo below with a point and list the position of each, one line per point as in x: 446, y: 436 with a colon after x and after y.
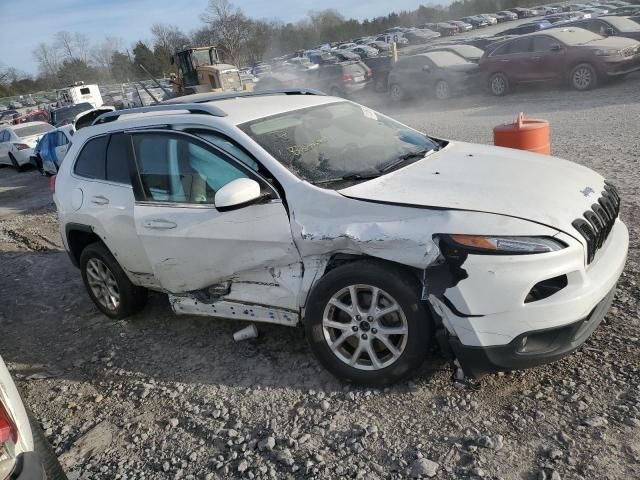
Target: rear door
x: 246, y: 253
x: 104, y: 166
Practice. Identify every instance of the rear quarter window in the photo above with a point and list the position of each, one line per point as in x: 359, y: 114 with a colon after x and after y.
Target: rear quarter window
x: 91, y: 162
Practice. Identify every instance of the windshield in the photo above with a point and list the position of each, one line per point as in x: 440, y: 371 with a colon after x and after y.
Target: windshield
x: 337, y: 140
x: 32, y: 130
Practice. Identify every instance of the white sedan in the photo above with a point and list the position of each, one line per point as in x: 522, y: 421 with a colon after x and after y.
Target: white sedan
x: 18, y: 141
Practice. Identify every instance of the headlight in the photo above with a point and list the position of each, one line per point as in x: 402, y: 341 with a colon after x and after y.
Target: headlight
x: 504, y: 245
x: 607, y: 52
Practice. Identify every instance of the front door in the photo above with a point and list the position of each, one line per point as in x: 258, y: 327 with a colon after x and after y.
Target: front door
x: 245, y: 255
x: 548, y: 57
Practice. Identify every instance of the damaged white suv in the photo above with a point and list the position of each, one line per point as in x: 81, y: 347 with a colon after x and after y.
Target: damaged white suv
x: 289, y: 207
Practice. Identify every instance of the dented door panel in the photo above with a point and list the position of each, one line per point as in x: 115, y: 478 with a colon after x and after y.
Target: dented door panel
x: 192, y: 248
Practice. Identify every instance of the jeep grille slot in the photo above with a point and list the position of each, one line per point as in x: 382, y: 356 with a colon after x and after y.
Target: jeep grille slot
x: 596, y: 224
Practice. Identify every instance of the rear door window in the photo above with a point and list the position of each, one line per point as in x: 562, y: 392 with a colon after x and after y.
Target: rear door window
x: 91, y: 162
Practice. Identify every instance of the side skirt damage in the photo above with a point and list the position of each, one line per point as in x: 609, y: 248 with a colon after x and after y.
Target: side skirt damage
x: 190, y: 305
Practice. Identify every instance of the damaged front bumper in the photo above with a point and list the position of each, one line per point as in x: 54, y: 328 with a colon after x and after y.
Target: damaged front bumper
x: 492, y: 322
x: 530, y: 349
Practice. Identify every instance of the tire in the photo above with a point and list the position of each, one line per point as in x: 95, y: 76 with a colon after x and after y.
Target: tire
x: 397, y: 93
x: 442, y: 90
x: 14, y: 162
x: 326, y: 323
x: 498, y: 84
x: 121, y: 297
x: 583, y: 77
x: 48, y: 458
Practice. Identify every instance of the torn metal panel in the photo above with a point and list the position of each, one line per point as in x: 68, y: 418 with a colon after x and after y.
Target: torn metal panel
x: 188, y: 305
x: 194, y: 248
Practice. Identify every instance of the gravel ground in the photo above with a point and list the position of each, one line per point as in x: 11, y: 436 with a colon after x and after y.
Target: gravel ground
x: 162, y: 396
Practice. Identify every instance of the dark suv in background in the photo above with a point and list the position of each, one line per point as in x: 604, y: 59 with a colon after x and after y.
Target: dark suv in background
x: 574, y: 55
x: 441, y: 74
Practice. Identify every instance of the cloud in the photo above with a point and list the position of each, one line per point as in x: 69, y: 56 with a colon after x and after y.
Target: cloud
x: 27, y: 23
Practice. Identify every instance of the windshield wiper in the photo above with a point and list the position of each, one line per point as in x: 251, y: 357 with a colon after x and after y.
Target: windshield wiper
x: 350, y: 177
x: 406, y: 157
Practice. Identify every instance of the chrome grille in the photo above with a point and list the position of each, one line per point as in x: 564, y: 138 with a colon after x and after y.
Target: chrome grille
x: 596, y: 224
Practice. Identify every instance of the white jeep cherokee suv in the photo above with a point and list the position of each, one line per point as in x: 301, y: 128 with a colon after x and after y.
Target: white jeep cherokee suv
x: 293, y: 206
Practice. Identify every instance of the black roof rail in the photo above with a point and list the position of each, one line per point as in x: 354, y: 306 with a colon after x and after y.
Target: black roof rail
x: 213, y: 96
x: 190, y: 107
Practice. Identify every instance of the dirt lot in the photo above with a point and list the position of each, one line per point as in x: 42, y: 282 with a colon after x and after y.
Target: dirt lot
x: 162, y: 396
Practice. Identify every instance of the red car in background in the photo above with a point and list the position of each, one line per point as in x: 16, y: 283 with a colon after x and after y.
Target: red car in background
x: 37, y: 116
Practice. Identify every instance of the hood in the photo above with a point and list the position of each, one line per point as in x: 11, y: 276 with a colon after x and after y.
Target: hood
x: 614, y: 42
x: 462, y: 176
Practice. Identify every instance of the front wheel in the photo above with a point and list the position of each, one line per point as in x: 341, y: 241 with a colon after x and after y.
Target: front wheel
x: 397, y: 93
x: 366, y: 324
x: 443, y: 90
x: 583, y: 77
x: 498, y: 84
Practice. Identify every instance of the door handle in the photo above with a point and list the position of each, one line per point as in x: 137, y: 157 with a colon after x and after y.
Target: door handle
x: 100, y: 200
x: 159, y: 224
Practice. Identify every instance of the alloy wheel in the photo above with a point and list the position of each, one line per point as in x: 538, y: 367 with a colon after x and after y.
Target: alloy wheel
x: 103, y: 284
x: 582, y: 78
x: 442, y: 90
x: 498, y: 85
x: 365, y: 327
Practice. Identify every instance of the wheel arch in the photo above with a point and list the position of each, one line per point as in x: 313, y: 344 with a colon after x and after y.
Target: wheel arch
x: 339, y: 259
x: 78, y: 237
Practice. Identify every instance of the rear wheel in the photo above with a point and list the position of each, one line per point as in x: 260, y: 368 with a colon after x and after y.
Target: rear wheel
x: 107, y: 284
x: 583, y: 77
x: 442, y: 90
x: 366, y: 324
x: 14, y: 162
x: 397, y: 93
x: 498, y: 84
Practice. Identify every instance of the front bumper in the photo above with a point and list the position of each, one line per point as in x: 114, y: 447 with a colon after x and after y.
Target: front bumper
x: 621, y: 65
x: 488, y: 311
x: 530, y: 349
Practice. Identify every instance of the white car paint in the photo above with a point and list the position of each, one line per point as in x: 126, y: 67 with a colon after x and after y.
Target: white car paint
x: 264, y: 259
x: 11, y: 142
x: 11, y: 402
x: 79, y: 94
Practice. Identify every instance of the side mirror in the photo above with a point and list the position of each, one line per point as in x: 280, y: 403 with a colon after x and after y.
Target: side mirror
x: 236, y: 194
x: 426, y: 68
x: 556, y: 47
x: 609, y: 31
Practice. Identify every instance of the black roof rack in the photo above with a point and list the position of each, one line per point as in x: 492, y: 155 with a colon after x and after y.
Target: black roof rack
x: 190, y: 107
x: 213, y: 96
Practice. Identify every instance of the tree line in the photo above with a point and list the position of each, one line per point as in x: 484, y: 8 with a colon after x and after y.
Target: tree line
x: 241, y: 40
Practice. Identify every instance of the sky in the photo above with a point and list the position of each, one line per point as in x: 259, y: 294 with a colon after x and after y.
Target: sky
x: 26, y: 23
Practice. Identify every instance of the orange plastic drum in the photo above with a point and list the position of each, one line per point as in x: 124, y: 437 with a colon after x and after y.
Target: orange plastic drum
x: 524, y: 134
